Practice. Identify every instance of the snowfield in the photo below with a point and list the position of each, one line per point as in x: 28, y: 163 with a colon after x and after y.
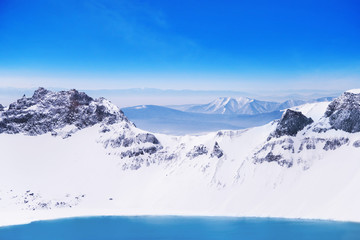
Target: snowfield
x: 114, y: 168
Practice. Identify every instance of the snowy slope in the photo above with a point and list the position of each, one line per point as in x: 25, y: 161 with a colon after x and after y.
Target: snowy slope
x: 296, y: 167
x: 313, y: 110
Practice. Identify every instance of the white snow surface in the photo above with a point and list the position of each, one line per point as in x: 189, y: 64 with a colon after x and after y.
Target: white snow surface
x: 354, y: 91
x: 312, y: 110
x: 46, y: 177
x: 118, y: 169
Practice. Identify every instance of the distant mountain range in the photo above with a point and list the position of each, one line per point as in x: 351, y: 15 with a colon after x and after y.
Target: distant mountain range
x: 222, y: 113
x: 171, y: 121
x: 244, y: 105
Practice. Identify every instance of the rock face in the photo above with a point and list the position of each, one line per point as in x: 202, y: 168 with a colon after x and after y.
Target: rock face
x: 291, y: 123
x: 344, y: 112
x: 1, y: 108
x: 46, y: 111
x: 217, y: 152
x: 64, y: 113
x: 197, y: 151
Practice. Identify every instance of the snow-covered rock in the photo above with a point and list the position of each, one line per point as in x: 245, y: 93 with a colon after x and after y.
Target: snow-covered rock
x: 354, y: 91
x: 48, y: 111
x: 305, y: 170
x: 291, y: 123
x: 217, y: 152
x: 344, y: 112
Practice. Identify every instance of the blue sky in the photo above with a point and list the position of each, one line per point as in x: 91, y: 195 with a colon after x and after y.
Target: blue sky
x: 228, y: 45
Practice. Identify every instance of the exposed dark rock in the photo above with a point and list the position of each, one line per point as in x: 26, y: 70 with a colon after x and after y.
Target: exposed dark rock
x: 147, y: 138
x: 170, y: 157
x: 333, y: 144
x: 1, y: 108
x: 356, y: 144
x: 140, y: 151
x: 217, y: 152
x: 121, y: 141
x: 197, y: 151
x: 219, y: 134
x: 269, y: 146
x: 47, y: 111
x: 310, y: 143
x: 270, y: 157
x: 126, y: 141
x: 344, y: 113
x: 135, y: 164
x: 290, y: 124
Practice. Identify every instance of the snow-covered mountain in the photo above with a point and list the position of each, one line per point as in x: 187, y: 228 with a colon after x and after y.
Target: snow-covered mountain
x: 243, y: 105
x: 89, y: 159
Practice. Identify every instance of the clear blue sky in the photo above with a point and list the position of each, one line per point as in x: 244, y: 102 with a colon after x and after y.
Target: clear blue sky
x: 183, y: 44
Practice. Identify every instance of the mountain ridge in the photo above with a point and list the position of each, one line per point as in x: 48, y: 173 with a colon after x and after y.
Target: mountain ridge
x: 293, y: 167
x: 161, y: 119
x: 244, y: 105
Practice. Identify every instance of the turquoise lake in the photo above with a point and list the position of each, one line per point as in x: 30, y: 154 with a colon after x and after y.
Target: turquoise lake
x: 187, y: 228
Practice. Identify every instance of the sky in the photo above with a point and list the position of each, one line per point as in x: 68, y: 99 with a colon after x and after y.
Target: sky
x: 238, y: 45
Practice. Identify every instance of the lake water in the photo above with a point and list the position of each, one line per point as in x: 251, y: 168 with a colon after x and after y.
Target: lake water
x: 185, y: 228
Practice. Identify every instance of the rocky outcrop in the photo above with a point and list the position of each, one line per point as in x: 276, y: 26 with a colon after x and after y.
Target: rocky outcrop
x: 356, y: 144
x: 217, y: 152
x: 1, y: 108
x: 344, y: 112
x: 275, y: 151
x: 278, y: 158
x: 197, y: 151
x: 47, y: 111
x: 310, y: 143
x: 335, y: 143
x: 290, y: 124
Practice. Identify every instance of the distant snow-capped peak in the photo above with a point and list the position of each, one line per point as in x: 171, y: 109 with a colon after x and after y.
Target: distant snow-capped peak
x: 244, y: 105
x: 227, y: 104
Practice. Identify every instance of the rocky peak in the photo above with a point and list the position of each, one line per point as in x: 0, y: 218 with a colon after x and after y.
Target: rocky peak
x: 291, y: 123
x: 344, y: 112
x: 47, y: 111
x: 1, y: 108
x: 217, y: 152
x: 40, y: 93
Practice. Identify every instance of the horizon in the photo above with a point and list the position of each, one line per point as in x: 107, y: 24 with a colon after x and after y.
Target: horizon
x: 166, y: 97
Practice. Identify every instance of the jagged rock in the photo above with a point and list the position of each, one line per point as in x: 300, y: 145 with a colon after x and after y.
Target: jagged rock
x: 127, y: 140
x: 273, y: 152
x: 140, y: 151
x: 217, y: 152
x: 270, y: 157
x: 356, y: 144
x: 47, y: 111
x: 310, y: 143
x: 147, y: 137
x: 197, y: 151
x: 290, y: 124
x: 333, y: 144
x: 1, y: 108
x: 344, y: 113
